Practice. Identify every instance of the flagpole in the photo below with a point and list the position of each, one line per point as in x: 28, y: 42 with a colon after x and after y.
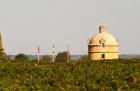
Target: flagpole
x: 68, y: 55
x: 53, y: 53
x: 38, y: 56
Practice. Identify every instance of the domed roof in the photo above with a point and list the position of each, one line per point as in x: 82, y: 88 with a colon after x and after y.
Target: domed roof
x: 103, y: 35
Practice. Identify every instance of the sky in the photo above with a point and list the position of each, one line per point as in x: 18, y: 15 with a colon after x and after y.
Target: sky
x: 25, y: 24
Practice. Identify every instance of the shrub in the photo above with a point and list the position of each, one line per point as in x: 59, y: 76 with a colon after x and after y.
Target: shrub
x: 21, y: 57
x: 62, y: 57
x: 46, y: 58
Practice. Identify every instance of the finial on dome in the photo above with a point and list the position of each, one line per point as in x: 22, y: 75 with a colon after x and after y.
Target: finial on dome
x: 103, y: 28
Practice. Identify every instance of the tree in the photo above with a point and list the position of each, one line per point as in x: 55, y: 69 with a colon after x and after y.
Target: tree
x: 62, y: 57
x: 46, y: 58
x: 21, y: 57
x: 3, y: 55
x: 84, y: 58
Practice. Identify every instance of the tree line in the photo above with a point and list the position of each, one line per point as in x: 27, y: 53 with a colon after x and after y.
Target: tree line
x: 63, y: 56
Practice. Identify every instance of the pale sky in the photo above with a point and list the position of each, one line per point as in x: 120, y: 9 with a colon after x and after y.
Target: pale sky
x: 25, y: 24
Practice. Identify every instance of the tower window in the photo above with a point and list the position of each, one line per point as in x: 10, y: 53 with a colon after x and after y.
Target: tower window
x: 103, y: 44
x: 103, y: 56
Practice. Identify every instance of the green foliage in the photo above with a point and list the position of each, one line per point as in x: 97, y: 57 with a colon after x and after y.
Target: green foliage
x: 46, y: 58
x: 4, y: 57
x: 84, y: 58
x: 105, y: 75
x: 2, y: 52
x: 62, y: 57
x: 21, y: 57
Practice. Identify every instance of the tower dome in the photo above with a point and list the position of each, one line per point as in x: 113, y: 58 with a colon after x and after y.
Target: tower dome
x: 109, y: 39
x: 103, y: 45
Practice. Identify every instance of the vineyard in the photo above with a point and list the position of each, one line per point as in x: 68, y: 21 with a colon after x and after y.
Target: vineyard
x: 113, y: 75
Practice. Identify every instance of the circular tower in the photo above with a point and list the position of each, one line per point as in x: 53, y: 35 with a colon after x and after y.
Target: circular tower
x: 103, y: 45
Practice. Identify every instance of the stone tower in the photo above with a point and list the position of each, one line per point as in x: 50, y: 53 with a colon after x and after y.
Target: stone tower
x: 103, y: 45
